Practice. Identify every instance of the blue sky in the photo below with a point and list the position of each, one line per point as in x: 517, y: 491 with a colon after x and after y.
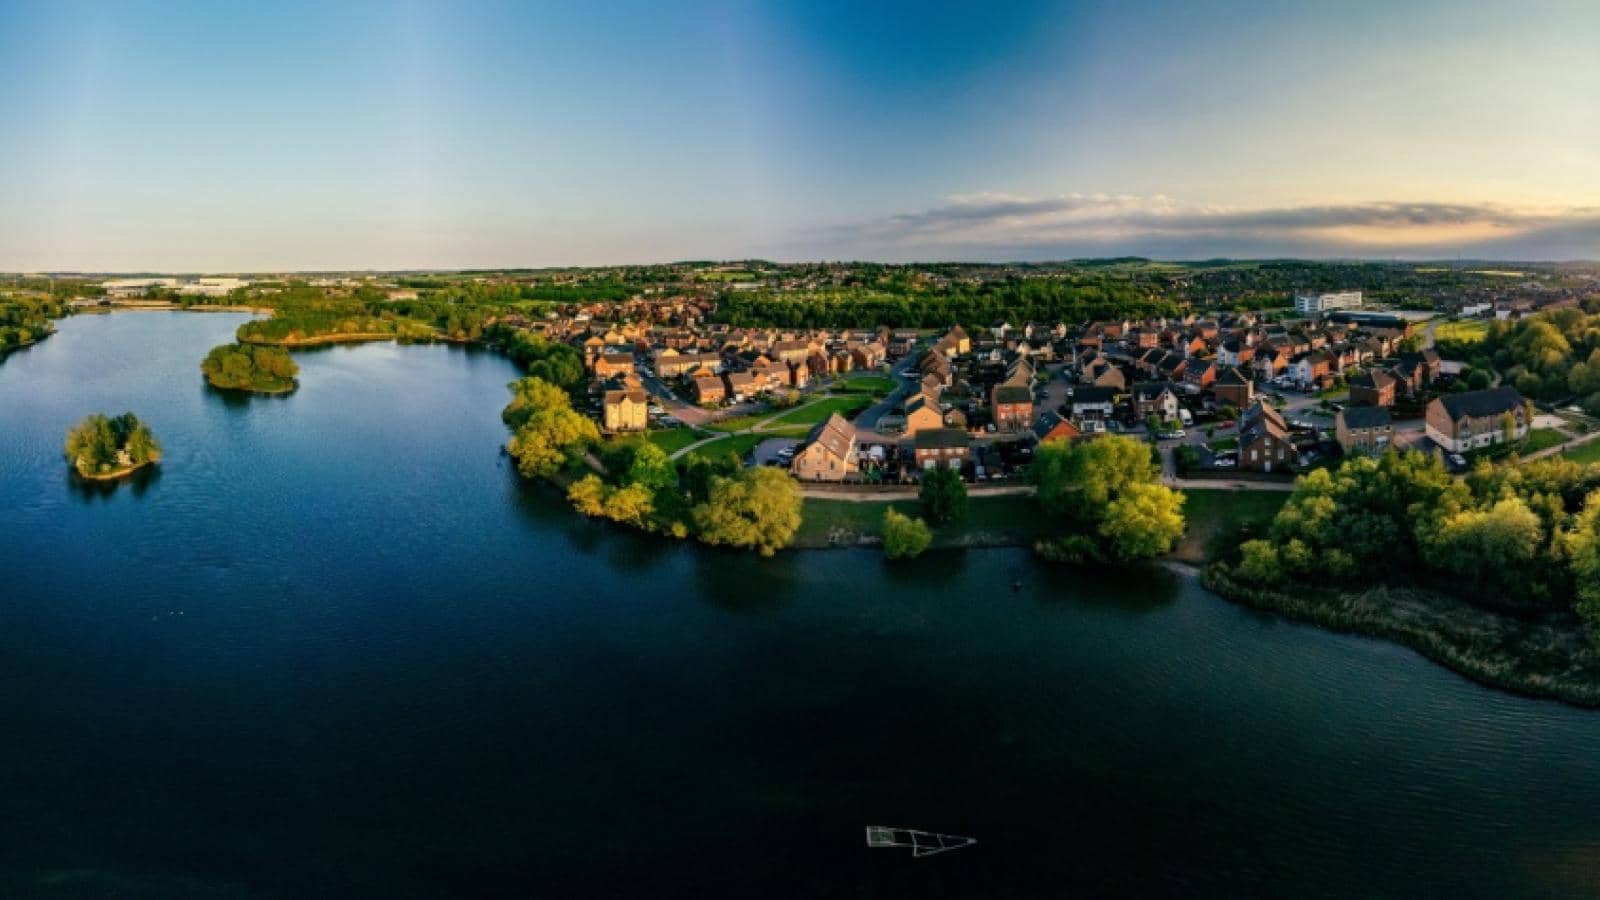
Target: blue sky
x: 223, y: 137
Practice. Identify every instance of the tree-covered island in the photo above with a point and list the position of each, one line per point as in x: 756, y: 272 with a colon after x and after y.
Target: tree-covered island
x: 102, y: 448
x: 248, y: 367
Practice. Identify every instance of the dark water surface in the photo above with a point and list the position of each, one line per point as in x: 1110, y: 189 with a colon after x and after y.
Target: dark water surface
x: 334, y: 649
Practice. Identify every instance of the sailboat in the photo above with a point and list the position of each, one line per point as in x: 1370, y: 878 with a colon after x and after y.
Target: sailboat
x: 920, y: 843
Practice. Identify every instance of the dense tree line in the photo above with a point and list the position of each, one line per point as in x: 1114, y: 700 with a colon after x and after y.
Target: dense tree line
x: 101, y: 444
x: 1520, y: 535
x: 1551, y: 356
x: 975, y: 306
x: 547, y: 433
x: 718, y: 501
x: 250, y: 367
x: 557, y: 363
x: 23, y: 322
x: 1106, y: 497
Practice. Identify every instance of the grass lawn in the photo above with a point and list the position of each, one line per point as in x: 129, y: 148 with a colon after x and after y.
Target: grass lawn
x: 739, y: 444
x: 1469, y: 330
x: 787, y: 431
x: 1215, y: 513
x: 991, y: 521
x: 847, y: 406
x: 674, y: 439
x: 1227, y: 443
x: 738, y: 423
x: 1585, y: 453
x: 1541, y: 439
x: 877, y: 385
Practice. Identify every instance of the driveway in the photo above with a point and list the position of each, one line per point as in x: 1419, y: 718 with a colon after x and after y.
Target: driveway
x: 867, y: 420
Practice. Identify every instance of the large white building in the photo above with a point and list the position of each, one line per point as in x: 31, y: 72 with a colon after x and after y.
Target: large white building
x: 212, y: 287
x: 1316, y: 304
x: 123, y: 288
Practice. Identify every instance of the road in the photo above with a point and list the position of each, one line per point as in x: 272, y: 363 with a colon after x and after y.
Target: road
x: 868, y: 418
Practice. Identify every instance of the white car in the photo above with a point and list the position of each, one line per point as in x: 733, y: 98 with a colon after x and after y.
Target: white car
x: 1225, y: 462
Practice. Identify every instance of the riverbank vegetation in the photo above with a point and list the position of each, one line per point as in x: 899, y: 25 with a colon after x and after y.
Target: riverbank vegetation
x: 1518, y: 543
x: 1106, y: 500
x: 904, y: 537
x: 634, y: 482
x: 102, y: 447
x: 547, y: 433
x: 24, y: 322
x: 247, y: 367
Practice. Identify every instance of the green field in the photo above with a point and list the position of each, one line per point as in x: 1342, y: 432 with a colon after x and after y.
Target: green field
x: 1215, y: 513
x: 738, y: 444
x: 738, y: 423
x: 1585, y: 453
x: 1542, y: 439
x: 1468, y: 330
x: 674, y: 439
x: 991, y: 521
x: 847, y: 406
x: 876, y: 385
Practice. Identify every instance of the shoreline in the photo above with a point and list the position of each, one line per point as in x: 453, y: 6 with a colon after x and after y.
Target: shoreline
x: 293, y: 386
x: 1540, y: 655
x: 362, y: 337
x: 114, y: 474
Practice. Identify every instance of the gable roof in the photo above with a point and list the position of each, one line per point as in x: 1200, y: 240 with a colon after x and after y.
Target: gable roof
x: 1365, y: 417
x: 1012, y: 393
x: 940, y: 438
x: 837, y: 436
x: 1480, y: 404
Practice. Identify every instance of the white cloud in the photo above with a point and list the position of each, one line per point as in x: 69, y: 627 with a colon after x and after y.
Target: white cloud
x: 1006, y: 226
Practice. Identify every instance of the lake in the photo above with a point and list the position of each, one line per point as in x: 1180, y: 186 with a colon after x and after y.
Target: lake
x: 333, y: 648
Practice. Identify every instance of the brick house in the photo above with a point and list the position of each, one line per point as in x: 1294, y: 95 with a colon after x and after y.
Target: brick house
x: 944, y: 448
x: 1012, y: 407
x: 1372, y: 388
x: 1461, y: 422
x: 829, y: 452
x: 1264, y: 443
x: 1364, y: 429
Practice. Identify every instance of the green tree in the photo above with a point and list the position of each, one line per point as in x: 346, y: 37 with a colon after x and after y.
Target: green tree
x: 943, y: 495
x: 1258, y: 562
x: 755, y: 508
x: 903, y: 536
x: 588, y: 495
x: 1145, y: 520
x: 1582, y: 548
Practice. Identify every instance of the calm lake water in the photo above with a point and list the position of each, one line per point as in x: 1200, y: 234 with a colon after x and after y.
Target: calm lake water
x: 333, y: 648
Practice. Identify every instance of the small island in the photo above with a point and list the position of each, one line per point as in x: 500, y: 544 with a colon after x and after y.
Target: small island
x: 249, y: 367
x: 101, y: 448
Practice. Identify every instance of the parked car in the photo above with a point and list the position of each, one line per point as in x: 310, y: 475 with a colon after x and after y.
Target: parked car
x: 1225, y: 462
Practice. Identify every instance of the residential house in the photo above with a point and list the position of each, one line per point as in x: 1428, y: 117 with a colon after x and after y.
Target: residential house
x: 922, y: 413
x: 1051, y: 427
x: 943, y: 448
x: 1154, y: 398
x: 1264, y: 443
x: 1234, y: 387
x: 1364, y: 429
x: 830, y: 452
x: 1461, y: 422
x: 1372, y: 388
x: 1094, y: 402
x: 608, y: 365
x: 708, y: 389
x: 625, y: 410
x: 1011, y: 407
